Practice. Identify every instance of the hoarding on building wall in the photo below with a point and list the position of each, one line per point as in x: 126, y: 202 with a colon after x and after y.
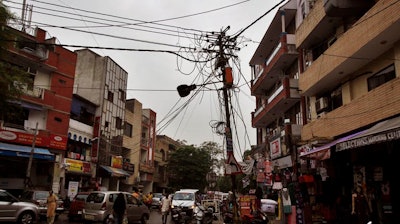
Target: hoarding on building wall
x: 52, y: 141
x: 275, y: 148
x: 116, y: 162
x: 77, y: 166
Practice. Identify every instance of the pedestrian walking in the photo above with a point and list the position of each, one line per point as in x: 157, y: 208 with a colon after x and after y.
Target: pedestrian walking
x: 148, y: 199
x: 136, y: 193
x: 51, y: 207
x: 165, y: 207
x: 119, y: 208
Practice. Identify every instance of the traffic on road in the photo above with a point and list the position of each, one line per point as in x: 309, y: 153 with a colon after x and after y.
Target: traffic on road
x: 155, y: 218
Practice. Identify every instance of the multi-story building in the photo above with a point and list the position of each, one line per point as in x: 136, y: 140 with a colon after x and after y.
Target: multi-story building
x: 164, y: 146
x: 147, y: 148
x: 78, y: 170
x: 132, y: 138
x: 139, y: 142
x: 348, y: 78
x: 44, y: 106
x: 278, y: 114
x: 101, y: 82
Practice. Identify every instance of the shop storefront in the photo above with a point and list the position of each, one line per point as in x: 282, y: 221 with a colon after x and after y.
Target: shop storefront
x: 114, y: 177
x: 78, y: 177
x: 372, y: 157
x: 352, y: 179
x: 15, y: 159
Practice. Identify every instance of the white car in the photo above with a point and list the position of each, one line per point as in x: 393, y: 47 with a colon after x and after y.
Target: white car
x: 156, y: 203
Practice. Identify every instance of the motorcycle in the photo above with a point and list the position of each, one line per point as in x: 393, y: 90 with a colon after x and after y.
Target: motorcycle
x: 227, y: 217
x: 203, y: 215
x: 180, y: 216
x: 259, y: 217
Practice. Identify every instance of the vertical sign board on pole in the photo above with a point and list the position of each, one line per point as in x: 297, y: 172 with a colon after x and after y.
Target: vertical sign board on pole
x: 232, y: 167
x: 72, y: 189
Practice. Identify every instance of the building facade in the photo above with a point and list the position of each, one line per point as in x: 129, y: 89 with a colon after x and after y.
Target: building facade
x: 132, y: 138
x: 101, y: 83
x: 349, y: 77
x: 347, y: 71
x: 42, y: 121
x: 147, y: 148
x: 140, y: 142
x: 164, y: 147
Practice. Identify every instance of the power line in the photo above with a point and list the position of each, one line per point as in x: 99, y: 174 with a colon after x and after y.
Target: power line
x: 275, y: 6
x: 122, y: 24
x: 155, y: 21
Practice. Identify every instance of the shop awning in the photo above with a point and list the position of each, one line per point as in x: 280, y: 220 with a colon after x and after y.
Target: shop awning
x: 25, y: 151
x: 323, y: 152
x: 115, y: 172
x: 383, y: 131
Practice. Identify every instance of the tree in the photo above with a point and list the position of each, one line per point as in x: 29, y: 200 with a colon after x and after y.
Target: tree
x: 217, y: 157
x: 12, y: 78
x: 188, y: 167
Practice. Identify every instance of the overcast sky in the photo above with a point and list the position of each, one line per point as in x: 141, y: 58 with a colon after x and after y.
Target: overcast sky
x: 154, y: 76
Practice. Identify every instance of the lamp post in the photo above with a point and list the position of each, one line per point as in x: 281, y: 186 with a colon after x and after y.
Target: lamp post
x: 28, y: 170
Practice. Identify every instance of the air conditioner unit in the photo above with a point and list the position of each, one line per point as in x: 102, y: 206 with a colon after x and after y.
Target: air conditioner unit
x: 321, y: 104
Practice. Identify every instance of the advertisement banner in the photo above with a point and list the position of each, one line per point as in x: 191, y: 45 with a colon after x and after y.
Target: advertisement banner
x: 77, y: 166
x: 116, y: 162
x: 275, y: 146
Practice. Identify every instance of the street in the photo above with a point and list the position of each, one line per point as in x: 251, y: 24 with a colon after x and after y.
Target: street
x: 155, y: 218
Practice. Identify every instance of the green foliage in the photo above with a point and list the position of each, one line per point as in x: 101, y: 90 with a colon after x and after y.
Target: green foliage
x: 188, y: 167
x: 216, y: 153
x: 12, y: 78
x: 224, y: 183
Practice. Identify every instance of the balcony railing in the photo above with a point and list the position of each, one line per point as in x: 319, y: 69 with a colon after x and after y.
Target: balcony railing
x: 282, y: 99
x: 283, y: 55
x: 34, y: 92
x: 147, y: 167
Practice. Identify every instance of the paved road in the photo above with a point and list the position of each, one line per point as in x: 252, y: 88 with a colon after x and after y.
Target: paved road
x: 155, y: 218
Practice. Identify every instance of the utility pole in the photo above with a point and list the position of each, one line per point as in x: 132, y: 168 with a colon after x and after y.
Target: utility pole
x: 28, y: 170
x: 23, y: 15
x: 222, y: 62
x: 184, y: 90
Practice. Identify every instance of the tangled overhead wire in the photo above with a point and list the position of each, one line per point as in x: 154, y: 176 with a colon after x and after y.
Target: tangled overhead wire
x: 218, y: 127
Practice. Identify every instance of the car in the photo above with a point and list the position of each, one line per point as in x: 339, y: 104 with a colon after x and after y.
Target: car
x: 76, y: 206
x: 98, y: 207
x: 39, y: 197
x: 14, y: 210
x: 156, y: 203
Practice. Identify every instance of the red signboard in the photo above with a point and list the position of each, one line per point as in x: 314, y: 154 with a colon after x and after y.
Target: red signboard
x: 52, y: 141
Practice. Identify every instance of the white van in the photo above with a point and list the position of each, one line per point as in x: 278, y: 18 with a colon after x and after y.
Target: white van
x: 185, y: 198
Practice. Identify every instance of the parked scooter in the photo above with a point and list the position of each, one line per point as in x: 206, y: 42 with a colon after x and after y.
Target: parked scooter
x: 203, y: 215
x: 259, y: 217
x: 227, y: 213
x: 180, y: 216
x: 227, y: 217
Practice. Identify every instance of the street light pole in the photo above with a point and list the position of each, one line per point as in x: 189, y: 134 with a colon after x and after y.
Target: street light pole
x: 28, y: 170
